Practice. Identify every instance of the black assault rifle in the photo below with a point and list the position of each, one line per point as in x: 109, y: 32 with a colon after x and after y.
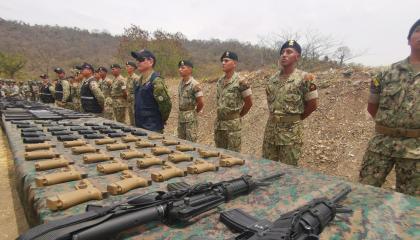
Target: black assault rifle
x: 178, y: 205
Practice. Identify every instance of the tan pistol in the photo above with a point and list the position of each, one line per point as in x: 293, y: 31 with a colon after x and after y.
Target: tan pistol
x: 51, y: 164
x: 155, y: 137
x: 84, y: 149
x: 129, y: 138
x: 161, y: 150
x: 201, y: 166
x: 112, y: 167
x: 185, y: 148
x: 85, y: 191
x: 105, y: 141
x: 149, y: 161
x: 117, y: 146
x: 40, y: 155
x: 96, y: 157
x: 132, y: 154
x: 207, y: 153
x: 145, y: 144
x: 179, y: 157
x: 230, y: 161
x: 38, y: 146
x: 129, y: 182
x: 74, y: 143
x: 65, y: 175
x: 168, y: 142
x: 168, y: 171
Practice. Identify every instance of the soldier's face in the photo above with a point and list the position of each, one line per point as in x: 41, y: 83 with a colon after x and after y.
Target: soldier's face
x: 144, y: 64
x: 288, y: 56
x: 185, y: 71
x: 115, y: 71
x: 61, y: 75
x: 414, y: 40
x: 86, y: 72
x: 130, y: 69
x: 97, y: 75
x: 102, y: 74
x: 228, y: 64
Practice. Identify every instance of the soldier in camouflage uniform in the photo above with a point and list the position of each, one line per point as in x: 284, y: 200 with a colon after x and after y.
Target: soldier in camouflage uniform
x: 190, y: 102
x: 62, y: 88
x: 291, y: 97
x: 132, y: 82
x: 394, y: 102
x: 152, y: 102
x: 91, y: 96
x: 105, y: 84
x: 26, y: 91
x: 46, y: 90
x: 233, y: 97
x: 118, y: 93
x: 34, y: 88
x: 75, y: 89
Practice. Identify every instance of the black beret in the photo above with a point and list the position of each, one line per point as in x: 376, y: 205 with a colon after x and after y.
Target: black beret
x: 44, y: 76
x: 58, y: 70
x: 87, y: 65
x: 143, y: 54
x: 230, y: 55
x: 104, y: 69
x: 115, y: 65
x: 130, y: 63
x: 291, y: 44
x: 416, y: 24
x: 185, y: 63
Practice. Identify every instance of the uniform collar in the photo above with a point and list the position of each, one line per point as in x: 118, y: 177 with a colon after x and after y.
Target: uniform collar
x: 187, y: 82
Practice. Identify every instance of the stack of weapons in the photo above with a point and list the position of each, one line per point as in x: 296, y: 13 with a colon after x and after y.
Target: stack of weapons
x: 131, y: 156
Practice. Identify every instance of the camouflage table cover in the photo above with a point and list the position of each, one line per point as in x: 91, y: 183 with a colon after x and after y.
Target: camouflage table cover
x: 378, y: 213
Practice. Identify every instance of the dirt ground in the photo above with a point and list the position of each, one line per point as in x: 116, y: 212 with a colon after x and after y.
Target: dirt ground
x: 336, y: 134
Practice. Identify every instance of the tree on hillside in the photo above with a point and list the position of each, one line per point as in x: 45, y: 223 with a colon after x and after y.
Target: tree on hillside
x: 10, y: 64
x: 343, y: 54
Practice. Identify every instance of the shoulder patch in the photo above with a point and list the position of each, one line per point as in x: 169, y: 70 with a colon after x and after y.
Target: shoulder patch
x: 376, y: 81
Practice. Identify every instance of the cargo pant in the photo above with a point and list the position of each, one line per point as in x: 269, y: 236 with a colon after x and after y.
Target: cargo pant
x: 130, y: 109
x: 287, y: 154
x: 376, y: 167
x: 227, y: 134
x: 108, y: 112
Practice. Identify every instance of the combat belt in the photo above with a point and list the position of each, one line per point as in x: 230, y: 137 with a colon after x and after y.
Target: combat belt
x: 129, y: 181
x: 149, y: 161
x: 65, y: 175
x: 112, y: 167
x: 51, y: 164
x: 397, y: 132
x: 284, y: 118
x: 38, y: 146
x: 85, y: 191
x: 201, y: 166
x: 168, y: 171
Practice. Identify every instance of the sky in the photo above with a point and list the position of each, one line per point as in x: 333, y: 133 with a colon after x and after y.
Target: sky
x: 377, y: 28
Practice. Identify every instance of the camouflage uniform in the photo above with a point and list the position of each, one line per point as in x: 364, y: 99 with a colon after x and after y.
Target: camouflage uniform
x: 397, y: 138
x: 187, y: 116
x: 286, y: 98
x: 119, y: 101
x: 26, y: 92
x: 108, y: 112
x: 132, y: 82
x: 75, y: 96
x: 34, y: 88
x: 229, y: 96
x: 66, y: 94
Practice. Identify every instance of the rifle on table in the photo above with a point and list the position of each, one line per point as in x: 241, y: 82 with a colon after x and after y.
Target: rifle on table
x: 181, y: 204
x: 304, y: 223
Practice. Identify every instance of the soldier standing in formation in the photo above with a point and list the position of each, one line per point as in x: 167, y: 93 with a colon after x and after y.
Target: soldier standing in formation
x: 105, y: 84
x: 191, y: 102
x: 394, y: 103
x: 291, y: 97
x: 75, y: 89
x: 118, y: 93
x: 26, y: 91
x: 152, y: 101
x: 91, y: 96
x: 132, y: 83
x: 233, y: 97
x: 46, y: 90
x: 62, y: 88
